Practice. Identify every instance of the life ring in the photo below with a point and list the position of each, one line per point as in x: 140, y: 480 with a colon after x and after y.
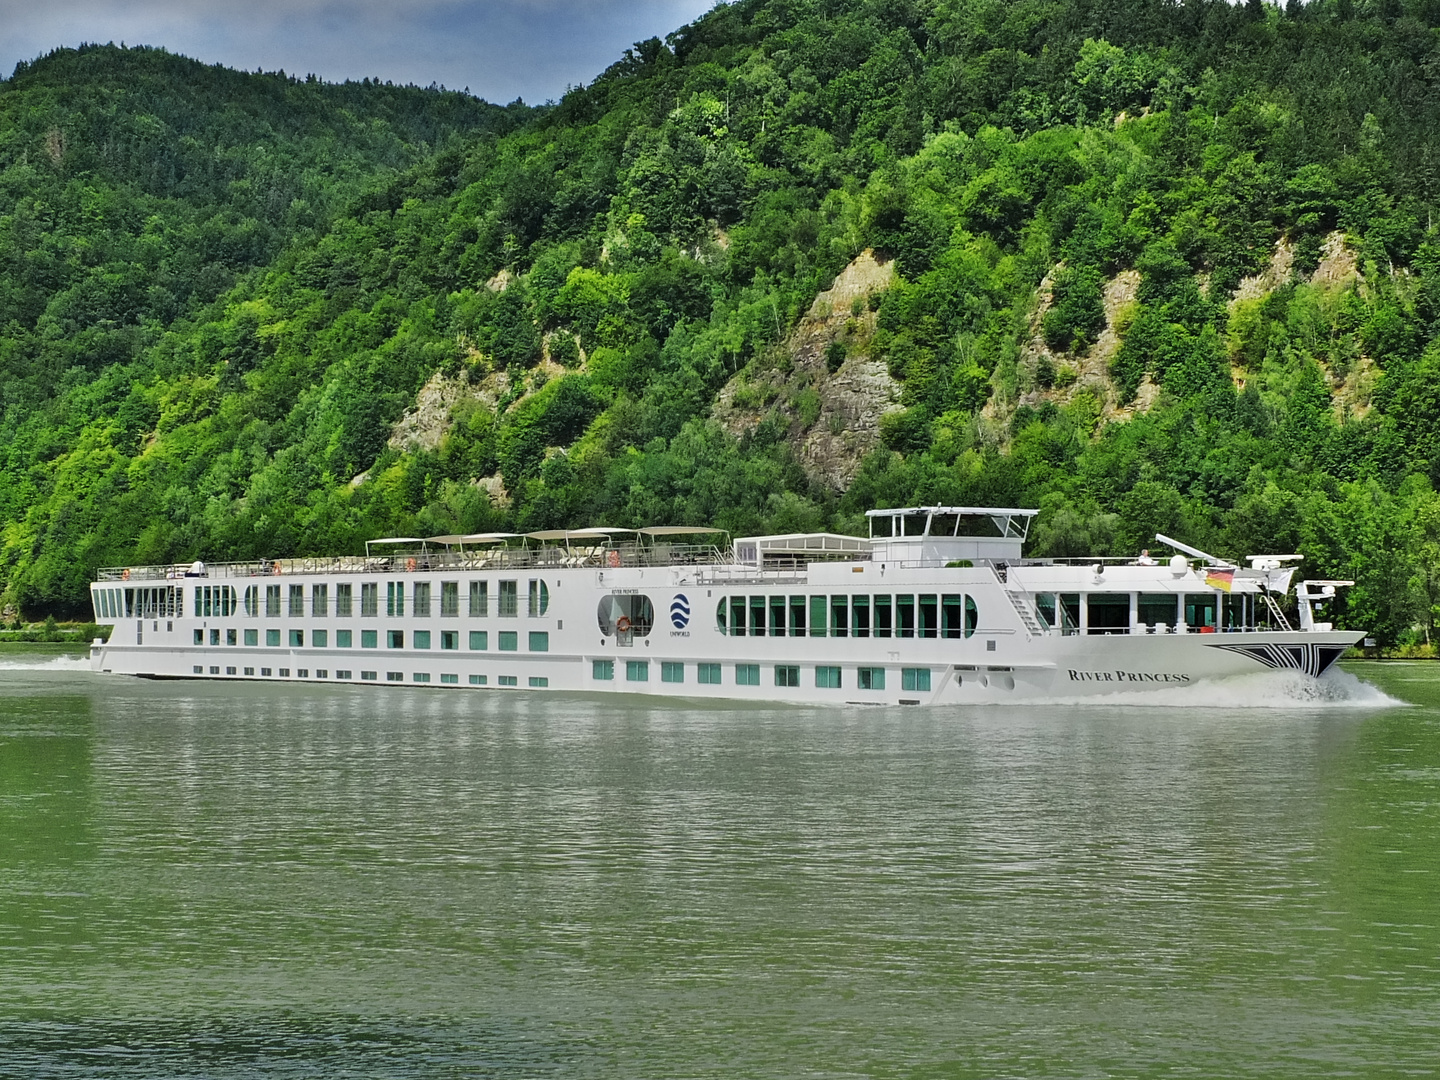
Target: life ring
x: 125, y: 575
x: 622, y: 624
x: 410, y: 565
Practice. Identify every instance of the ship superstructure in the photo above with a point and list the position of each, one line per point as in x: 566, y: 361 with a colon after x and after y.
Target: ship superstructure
x: 935, y: 605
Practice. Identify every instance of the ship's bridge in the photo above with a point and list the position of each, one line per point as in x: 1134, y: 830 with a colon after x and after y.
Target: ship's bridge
x: 936, y: 535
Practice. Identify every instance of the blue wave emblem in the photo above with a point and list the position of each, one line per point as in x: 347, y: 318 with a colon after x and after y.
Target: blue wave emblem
x: 680, y: 612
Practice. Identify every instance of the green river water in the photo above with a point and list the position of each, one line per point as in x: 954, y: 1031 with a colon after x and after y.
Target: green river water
x: 246, y: 880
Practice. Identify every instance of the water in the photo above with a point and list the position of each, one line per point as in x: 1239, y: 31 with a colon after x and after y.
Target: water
x: 255, y: 881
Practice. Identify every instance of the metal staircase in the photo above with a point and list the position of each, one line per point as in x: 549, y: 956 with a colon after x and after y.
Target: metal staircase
x: 1027, y: 614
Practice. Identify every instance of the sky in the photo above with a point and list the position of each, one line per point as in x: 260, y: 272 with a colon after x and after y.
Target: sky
x: 500, y: 49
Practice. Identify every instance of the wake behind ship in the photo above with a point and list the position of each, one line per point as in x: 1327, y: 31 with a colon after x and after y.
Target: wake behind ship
x: 935, y: 606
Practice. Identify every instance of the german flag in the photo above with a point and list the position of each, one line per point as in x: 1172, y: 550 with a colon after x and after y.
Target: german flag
x: 1224, y: 580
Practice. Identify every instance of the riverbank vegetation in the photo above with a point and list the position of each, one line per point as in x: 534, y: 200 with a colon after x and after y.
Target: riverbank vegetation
x: 1147, y: 266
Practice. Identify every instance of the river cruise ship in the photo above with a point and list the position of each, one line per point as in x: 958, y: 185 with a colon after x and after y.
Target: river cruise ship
x: 935, y: 606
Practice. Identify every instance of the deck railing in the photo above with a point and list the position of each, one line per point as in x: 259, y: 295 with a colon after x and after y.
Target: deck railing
x: 430, y: 561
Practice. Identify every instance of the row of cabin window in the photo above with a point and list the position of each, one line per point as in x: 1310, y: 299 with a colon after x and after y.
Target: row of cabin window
x: 928, y: 615
x: 478, y: 641
x: 827, y: 676
x: 1108, y: 613
x: 446, y: 679
x: 153, y: 602
x: 220, y: 601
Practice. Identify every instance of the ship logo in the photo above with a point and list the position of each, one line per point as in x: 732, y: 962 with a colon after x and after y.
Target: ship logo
x: 680, y: 612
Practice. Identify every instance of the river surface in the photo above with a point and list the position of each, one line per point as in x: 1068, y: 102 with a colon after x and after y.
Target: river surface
x: 262, y: 881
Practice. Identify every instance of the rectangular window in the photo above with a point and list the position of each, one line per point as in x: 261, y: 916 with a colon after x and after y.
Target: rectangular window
x: 297, y: 602
x: 539, y: 641
x: 449, y: 599
x: 369, y: 639
x: 929, y: 617
x: 777, y: 616
x: 532, y: 601
x: 1109, y: 613
x: 818, y: 619
x: 827, y: 678
x: 509, y: 599
x: 395, y: 599
x: 421, y: 640
x: 319, y: 601
x: 479, y: 640
x: 509, y: 640
x: 297, y: 639
x: 952, y: 615
x: 198, y: 669
x: 479, y: 599
x: 342, y: 674
x: 420, y: 600
x: 479, y: 680
x: 839, y: 616
x: 757, y: 616
x: 420, y: 676
x: 215, y: 636
x: 369, y: 676
x: 539, y: 682
x: 252, y: 636
x: 394, y: 639
x: 737, y: 616
x: 450, y: 680
x: 860, y: 616
x: 272, y: 601
x: 709, y: 674
x: 915, y: 678
x: 343, y: 639
x: 369, y: 599
x: 394, y: 676
x: 797, y: 616
x: 267, y: 671
x: 450, y: 639
x: 1158, y: 609
x: 905, y: 615
x: 870, y: 678
x: 321, y: 673
x: 249, y: 671
x: 747, y: 674
x: 231, y: 636
x: 272, y: 638
x: 637, y: 670
x: 883, y: 622
x: 508, y: 680
x: 215, y: 670
x: 787, y: 675
x: 344, y: 599
x: 284, y: 673
x: 670, y: 671
x: 199, y: 636
x: 602, y: 670
x: 300, y: 673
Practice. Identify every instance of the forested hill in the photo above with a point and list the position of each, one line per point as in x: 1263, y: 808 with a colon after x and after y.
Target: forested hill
x: 1146, y: 265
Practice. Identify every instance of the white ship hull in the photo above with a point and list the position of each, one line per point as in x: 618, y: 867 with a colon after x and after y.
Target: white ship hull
x: 974, y: 638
